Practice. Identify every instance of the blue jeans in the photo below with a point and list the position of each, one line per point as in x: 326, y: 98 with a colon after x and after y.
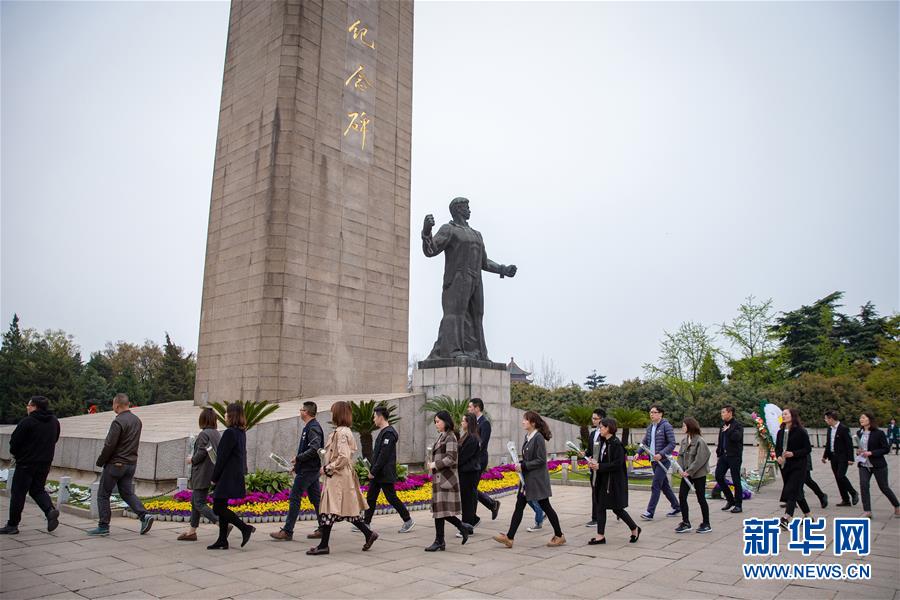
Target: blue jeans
x: 538, y: 511
x: 303, y: 482
x: 661, y: 484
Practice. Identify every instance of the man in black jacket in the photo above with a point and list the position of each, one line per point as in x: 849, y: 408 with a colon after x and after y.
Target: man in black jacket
x: 839, y: 450
x: 306, y: 465
x: 118, y: 459
x: 730, y: 450
x: 384, y: 470
x: 476, y: 407
x: 32, y: 445
x: 594, y: 443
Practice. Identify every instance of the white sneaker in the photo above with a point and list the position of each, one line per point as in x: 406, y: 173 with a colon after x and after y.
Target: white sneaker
x: 535, y: 527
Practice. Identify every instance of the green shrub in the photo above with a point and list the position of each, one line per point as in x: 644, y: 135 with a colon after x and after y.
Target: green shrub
x: 270, y: 482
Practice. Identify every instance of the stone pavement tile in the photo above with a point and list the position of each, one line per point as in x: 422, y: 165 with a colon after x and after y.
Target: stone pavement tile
x: 663, y: 590
x: 419, y: 589
x: 264, y: 594
x: 228, y: 590
x: 35, y: 591
x: 685, y: 546
x: 491, y: 585
x: 848, y: 589
x: 161, y: 587
x: 488, y: 568
x: 757, y: 591
x: 315, y: 585
x: 523, y: 592
x: 799, y: 591
x: 596, y: 587
x: 647, y: 564
x: 129, y: 573
x: 80, y: 579
x: 462, y: 594
x: 259, y: 577
x: 602, y: 562
x: 714, y: 577
x: 17, y: 580
x: 44, y: 568
x: 581, y: 573
x: 234, y: 562
x: 69, y: 595
x: 132, y: 595
x: 434, y: 574
x: 202, y: 578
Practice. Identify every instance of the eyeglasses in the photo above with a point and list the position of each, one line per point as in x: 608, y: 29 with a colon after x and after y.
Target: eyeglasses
x: 654, y: 412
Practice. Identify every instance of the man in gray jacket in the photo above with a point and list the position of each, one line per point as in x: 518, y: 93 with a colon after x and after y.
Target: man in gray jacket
x: 119, y: 462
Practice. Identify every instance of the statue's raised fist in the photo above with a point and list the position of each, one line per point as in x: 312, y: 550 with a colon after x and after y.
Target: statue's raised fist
x: 429, y: 223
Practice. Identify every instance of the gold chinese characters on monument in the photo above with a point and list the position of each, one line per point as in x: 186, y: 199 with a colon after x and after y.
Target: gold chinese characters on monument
x: 358, y: 119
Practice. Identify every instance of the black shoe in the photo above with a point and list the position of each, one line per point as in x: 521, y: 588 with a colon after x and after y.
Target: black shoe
x: 316, y: 551
x: 495, y: 510
x: 844, y: 503
x: 371, y: 540
x: 824, y: 500
x: 9, y: 530
x: 737, y: 509
x: 634, y: 538
x: 728, y: 506
x: 52, y: 519
x: 464, y: 531
x: 435, y: 546
x: 684, y: 528
x: 704, y: 528
x: 783, y: 523
x: 591, y: 523
x: 218, y: 546
x: 477, y: 521
x: 245, y: 535
x: 595, y: 541
x: 855, y: 499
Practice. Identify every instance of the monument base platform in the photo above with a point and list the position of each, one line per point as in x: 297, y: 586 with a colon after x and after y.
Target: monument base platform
x: 166, y: 428
x: 437, y: 363
x: 491, y: 384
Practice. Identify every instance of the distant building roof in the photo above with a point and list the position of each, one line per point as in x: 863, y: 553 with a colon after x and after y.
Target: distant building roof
x: 516, y: 373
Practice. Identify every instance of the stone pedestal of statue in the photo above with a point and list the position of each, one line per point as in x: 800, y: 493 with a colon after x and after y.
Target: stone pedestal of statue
x: 466, y: 378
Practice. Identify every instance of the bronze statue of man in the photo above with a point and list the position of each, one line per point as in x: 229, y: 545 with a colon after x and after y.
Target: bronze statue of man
x: 461, y: 334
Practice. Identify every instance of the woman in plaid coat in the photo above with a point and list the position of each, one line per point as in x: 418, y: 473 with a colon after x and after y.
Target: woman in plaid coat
x: 445, y: 500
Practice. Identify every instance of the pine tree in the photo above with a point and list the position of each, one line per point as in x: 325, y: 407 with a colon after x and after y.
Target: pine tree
x: 709, y: 371
x: 175, y: 381
x: 595, y: 381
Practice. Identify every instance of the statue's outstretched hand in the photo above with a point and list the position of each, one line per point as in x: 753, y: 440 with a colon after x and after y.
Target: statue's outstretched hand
x: 510, y: 270
x: 429, y: 224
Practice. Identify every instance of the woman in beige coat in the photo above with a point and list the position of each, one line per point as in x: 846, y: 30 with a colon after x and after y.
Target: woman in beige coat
x: 341, y: 498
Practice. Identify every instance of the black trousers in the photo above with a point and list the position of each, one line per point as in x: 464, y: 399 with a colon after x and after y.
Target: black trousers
x: 521, y: 503
x: 117, y: 475
x: 325, y: 529
x: 390, y: 494
x: 839, y: 468
x: 881, y: 478
x: 700, y: 490
x: 468, y: 494
x: 226, y: 518
x: 792, y: 492
x: 30, y: 480
x: 811, y: 484
x: 486, y: 500
x: 439, y: 527
x: 730, y: 464
x: 619, y: 512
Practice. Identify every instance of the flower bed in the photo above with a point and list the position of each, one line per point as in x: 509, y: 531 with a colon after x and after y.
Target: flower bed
x: 414, y: 492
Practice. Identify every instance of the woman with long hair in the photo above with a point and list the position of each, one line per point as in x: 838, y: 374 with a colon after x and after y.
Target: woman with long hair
x: 612, y: 483
x: 873, y: 446
x: 791, y: 449
x: 469, y: 467
x: 533, y: 467
x: 201, y: 473
x: 445, y: 497
x: 228, y: 476
x: 342, y: 499
x: 694, y: 461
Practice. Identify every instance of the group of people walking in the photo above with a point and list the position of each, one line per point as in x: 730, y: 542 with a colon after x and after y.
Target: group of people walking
x: 456, y: 462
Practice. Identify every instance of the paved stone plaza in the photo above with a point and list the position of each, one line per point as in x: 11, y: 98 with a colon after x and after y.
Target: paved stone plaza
x: 67, y: 564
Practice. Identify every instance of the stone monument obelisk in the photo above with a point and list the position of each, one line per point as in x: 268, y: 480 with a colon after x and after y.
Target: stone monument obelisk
x: 306, y: 282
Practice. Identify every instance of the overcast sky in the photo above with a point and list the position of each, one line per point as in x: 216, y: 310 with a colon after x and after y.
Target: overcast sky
x: 643, y: 164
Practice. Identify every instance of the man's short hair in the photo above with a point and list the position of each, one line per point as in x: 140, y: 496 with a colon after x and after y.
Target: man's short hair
x: 729, y: 408
x: 600, y: 413
x: 39, y: 402
x: 456, y: 202
x: 310, y: 408
x: 121, y: 400
x: 477, y: 403
x: 832, y: 414
x: 658, y: 409
x: 382, y: 411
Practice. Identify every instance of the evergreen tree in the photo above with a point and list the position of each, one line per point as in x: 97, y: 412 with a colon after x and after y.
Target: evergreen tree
x: 175, y: 381
x: 595, y: 381
x: 13, y: 374
x: 709, y: 371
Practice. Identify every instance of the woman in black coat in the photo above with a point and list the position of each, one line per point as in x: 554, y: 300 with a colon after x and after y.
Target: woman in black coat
x: 469, y: 468
x: 228, y: 476
x: 791, y: 450
x: 611, y: 489
x: 873, y: 446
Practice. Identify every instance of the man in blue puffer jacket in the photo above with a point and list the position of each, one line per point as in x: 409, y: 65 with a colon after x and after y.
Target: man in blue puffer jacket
x: 660, y: 439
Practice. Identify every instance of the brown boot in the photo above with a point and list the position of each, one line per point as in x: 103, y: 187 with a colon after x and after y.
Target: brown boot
x: 282, y: 535
x: 557, y: 541
x: 187, y: 537
x: 315, y: 535
x: 502, y: 539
